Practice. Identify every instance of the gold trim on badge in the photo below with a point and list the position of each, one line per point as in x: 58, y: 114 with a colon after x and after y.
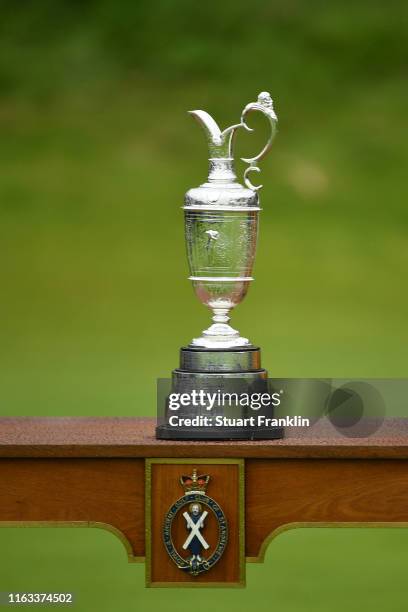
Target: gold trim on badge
x: 241, y: 522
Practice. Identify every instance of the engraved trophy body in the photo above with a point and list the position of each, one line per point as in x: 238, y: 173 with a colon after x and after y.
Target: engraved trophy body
x: 221, y: 229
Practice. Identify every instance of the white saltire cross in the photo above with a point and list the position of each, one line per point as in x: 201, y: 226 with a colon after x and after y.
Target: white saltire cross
x: 195, y: 529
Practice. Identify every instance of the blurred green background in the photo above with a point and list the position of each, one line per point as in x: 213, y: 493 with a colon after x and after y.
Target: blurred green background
x: 97, y: 152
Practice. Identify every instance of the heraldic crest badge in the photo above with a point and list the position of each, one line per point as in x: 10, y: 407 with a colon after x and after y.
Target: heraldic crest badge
x: 196, y: 526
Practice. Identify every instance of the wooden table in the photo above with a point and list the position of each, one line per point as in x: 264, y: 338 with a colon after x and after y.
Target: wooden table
x: 100, y: 472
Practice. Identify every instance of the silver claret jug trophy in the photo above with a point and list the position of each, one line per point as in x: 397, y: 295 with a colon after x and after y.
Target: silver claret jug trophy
x: 221, y: 228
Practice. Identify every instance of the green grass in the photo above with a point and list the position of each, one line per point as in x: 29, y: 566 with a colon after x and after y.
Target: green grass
x: 96, y: 152
x: 308, y: 569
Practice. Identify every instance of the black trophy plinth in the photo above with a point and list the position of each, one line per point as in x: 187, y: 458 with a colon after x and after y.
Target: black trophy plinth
x: 218, y: 371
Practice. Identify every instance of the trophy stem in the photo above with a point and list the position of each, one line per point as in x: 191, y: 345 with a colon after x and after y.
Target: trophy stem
x: 220, y: 315
x: 220, y: 334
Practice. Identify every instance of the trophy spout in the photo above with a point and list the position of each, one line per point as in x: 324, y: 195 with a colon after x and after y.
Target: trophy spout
x: 219, y: 142
x: 210, y: 127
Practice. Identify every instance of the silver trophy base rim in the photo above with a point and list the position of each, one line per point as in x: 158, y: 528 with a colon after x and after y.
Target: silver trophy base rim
x: 220, y: 361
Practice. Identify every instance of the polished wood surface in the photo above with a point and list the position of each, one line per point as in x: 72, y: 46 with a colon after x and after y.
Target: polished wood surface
x: 134, y: 437
x: 283, y: 493
x: 165, y: 490
x: 106, y: 493
x: 91, y: 472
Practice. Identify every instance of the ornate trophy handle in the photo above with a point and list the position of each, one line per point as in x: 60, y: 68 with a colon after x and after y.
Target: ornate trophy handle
x: 265, y: 106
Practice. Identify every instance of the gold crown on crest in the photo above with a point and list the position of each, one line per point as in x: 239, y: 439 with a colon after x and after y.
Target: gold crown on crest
x: 194, y: 483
